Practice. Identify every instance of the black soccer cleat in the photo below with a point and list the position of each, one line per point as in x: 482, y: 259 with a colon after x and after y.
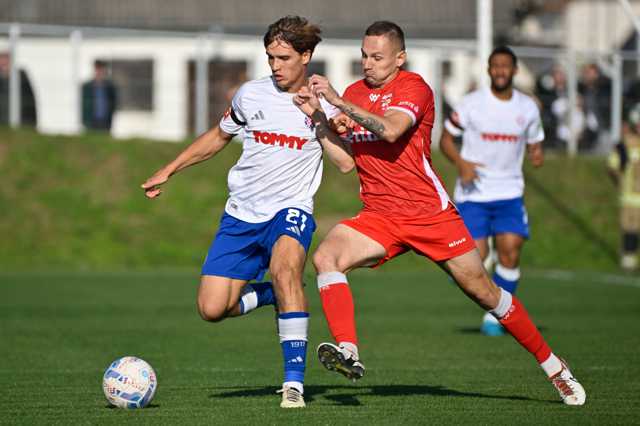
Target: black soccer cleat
x: 341, y: 361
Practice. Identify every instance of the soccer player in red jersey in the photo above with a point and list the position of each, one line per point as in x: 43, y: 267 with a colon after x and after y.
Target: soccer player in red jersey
x: 390, y: 114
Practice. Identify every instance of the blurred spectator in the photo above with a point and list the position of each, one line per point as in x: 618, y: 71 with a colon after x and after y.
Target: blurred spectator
x: 624, y: 168
x: 595, y: 90
x: 99, y: 99
x: 551, y: 89
x: 27, y: 100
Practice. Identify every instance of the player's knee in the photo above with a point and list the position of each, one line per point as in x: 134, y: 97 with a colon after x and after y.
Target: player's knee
x: 212, y: 312
x: 509, y: 260
x: 287, y: 278
x: 324, y: 261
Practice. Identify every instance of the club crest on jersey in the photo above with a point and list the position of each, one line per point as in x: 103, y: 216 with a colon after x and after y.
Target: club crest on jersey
x: 386, y: 100
x: 373, y: 97
x: 309, y: 123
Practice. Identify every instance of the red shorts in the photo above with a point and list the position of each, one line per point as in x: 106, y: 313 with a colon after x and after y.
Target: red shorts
x: 440, y: 237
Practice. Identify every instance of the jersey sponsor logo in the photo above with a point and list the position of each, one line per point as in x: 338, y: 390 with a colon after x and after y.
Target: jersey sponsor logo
x: 362, y: 136
x: 268, y: 138
x: 373, y: 97
x: 499, y: 137
x: 457, y: 242
x: 413, y: 107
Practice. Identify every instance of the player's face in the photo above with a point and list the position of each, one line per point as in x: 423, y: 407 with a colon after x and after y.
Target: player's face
x: 501, y: 71
x: 381, y: 59
x: 288, y: 67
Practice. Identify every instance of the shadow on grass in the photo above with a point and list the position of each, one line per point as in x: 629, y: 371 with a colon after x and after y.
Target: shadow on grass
x: 350, y: 397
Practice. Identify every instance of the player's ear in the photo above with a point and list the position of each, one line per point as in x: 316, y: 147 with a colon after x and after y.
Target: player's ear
x: 401, y: 59
x: 306, y: 57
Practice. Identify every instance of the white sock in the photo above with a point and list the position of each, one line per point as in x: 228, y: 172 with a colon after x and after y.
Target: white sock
x: 296, y: 385
x: 552, y: 365
x: 505, y: 302
x: 488, y: 317
x: 249, y: 299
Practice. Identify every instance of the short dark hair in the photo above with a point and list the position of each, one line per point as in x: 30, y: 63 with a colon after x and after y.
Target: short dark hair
x: 389, y: 29
x: 296, y: 31
x: 100, y: 63
x: 504, y: 50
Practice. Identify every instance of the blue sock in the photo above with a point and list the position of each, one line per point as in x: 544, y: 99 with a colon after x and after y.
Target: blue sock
x: 256, y: 295
x: 506, y: 278
x: 293, y: 339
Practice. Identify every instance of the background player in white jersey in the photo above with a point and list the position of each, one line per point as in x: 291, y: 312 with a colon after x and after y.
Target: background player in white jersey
x: 268, y: 222
x: 497, y: 125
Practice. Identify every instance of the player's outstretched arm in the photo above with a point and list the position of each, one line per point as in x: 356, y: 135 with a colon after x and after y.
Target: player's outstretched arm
x: 333, y: 146
x: 536, y: 154
x: 204, y: 147
x: 389, y: 127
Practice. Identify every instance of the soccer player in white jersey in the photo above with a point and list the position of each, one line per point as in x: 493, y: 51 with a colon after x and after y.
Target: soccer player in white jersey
x: 498, y: 124
x: 268, y: 222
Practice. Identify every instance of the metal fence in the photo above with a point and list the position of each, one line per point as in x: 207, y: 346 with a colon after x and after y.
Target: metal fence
x: 174, y: 84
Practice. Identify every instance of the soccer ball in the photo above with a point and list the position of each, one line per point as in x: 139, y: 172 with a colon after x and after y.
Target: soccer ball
x: 129, y: 382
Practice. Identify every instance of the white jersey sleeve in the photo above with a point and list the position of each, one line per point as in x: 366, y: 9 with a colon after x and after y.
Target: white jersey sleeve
x: 329, y: 110
x: 234, y: 119
x: 535, y: 131
x: 459, y: 118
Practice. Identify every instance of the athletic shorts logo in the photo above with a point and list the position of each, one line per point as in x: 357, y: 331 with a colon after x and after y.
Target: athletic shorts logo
x: 457, y: 242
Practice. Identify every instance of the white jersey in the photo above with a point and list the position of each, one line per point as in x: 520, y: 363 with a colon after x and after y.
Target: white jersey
x: 281, y: 161
x: 495, y: 134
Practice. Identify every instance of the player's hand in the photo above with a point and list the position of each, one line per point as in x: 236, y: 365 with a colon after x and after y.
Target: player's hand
x: 152, y: 185
x: 467, y: 171
x: 341, y: 123
x: 321, y: 87
x: 306, y: 101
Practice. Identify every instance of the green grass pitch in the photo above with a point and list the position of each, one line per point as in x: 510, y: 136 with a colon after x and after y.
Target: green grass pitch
x: 426, y: 363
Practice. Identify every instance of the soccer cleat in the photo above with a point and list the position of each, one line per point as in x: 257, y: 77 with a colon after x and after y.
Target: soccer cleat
x: 339, y: 360
x: 291, y: 398
x: 571, y: 392
x: 490, y: 326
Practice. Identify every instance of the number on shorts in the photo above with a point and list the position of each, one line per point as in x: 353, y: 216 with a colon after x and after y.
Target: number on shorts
x: 293, y: 215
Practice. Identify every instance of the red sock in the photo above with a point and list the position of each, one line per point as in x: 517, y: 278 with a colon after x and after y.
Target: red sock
x: 518, y: 323
x: 337, y: 304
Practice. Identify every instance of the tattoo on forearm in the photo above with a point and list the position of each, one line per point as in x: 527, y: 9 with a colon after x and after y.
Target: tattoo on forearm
x: 370, y: 124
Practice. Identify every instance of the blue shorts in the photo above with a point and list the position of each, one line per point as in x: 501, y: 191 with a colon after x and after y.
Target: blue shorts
x: 242, y: 250
x: 495, y: 217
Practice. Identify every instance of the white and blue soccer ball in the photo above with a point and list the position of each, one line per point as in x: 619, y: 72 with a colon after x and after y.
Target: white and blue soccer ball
x: 129, y: 382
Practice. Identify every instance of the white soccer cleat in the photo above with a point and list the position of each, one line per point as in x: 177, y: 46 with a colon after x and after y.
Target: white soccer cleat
x: 571, y: 392
x: 291, y: 398
x: 340, y: 360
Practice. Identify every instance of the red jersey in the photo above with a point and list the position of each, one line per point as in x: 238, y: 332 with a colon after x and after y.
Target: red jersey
x: 397, y: 179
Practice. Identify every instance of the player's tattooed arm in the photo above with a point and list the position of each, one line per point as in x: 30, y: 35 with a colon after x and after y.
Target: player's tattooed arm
x: 370, y: 123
